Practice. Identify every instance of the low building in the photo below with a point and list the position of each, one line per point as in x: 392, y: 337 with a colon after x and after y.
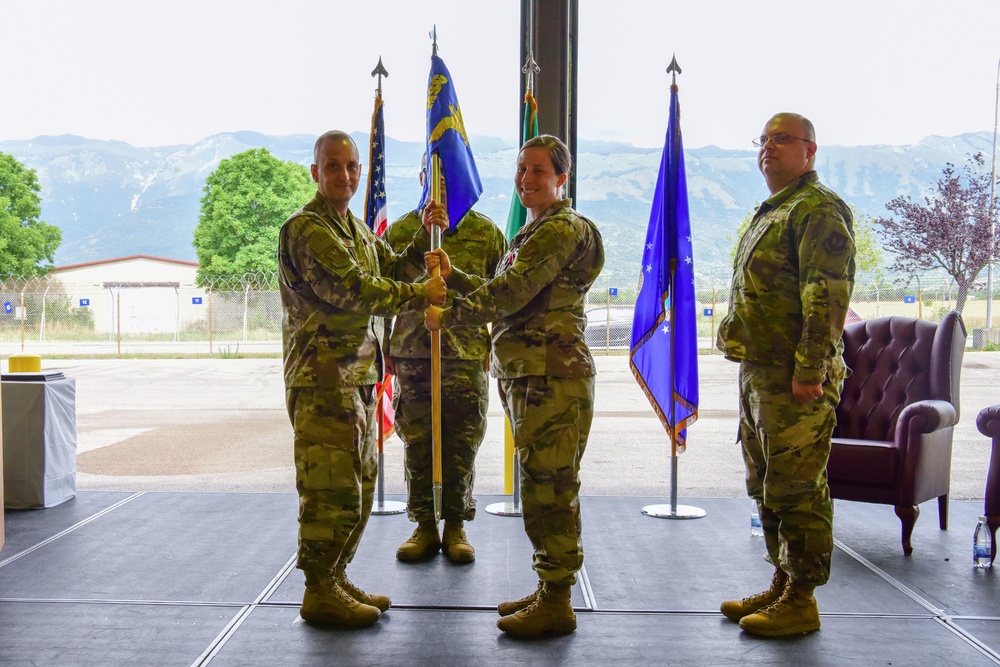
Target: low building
x: 138, y: 294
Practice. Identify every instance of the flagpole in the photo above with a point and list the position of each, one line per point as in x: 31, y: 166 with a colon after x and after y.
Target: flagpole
x: 436, y: 472
x: 382, y: 506
x: 673, y: 510
x: 436, y: 356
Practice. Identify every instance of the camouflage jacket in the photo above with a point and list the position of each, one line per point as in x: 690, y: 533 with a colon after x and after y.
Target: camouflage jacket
x: 476, y: 246
x: 536, y: 300
x: 792, y: 282
x: 330, y: 270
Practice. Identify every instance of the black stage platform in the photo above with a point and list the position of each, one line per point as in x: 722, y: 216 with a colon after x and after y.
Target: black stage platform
x: 190, y: 579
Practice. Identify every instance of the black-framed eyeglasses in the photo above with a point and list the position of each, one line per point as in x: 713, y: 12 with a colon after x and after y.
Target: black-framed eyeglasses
x: 777, y: 139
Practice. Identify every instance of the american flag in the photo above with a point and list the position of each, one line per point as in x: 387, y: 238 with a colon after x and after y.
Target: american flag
x: 377, y: 219
x: 375, y: 214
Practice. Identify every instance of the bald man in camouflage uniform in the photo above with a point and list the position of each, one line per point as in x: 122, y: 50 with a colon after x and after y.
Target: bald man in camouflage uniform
x: 545, y: 372
x: 330, y: 266
x: 792, y: 284
x: 476, y: 245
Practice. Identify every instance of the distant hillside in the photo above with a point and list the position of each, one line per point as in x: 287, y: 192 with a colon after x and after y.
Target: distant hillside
x: 111, y: 199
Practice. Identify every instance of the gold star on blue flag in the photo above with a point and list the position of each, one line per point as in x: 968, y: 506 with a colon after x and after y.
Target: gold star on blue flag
x: 447, y: 138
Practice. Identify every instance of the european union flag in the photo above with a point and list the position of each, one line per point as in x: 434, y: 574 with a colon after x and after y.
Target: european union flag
x: 664, y: 355
x: 447, y: 138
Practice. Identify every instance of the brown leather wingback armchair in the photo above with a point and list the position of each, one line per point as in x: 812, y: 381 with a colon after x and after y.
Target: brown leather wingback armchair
x: 892, y: 444
x: 988, y: 423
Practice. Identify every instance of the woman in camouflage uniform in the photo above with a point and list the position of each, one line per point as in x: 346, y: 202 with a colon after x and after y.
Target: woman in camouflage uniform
x: 544, y: 369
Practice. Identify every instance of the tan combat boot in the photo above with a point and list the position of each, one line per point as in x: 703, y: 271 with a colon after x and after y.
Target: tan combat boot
x: 326, y: 603
x: 380, y: 602
x: 550, y: 613
x: 734, y: 610
x: 514, y: 606
x: 795, y: 613
x: 455, y: 545
x: 424, y: 543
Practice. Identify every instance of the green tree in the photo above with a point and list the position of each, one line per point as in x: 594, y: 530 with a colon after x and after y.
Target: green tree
x: 27, y: 244
x: 245, y: 201
x: 868, y: 260
x: 950, y: 230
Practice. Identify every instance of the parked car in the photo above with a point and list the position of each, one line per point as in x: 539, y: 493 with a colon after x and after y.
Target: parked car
x: 605, y: 320
x: 615, y: 319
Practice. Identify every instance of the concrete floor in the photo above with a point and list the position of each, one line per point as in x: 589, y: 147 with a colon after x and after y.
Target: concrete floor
x: 220, y: 425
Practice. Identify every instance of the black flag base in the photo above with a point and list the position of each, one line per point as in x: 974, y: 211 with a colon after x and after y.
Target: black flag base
x: 673, y: 510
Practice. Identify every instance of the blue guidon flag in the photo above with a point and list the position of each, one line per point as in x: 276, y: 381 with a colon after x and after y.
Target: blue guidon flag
x: 447, y: 138
x: 664, y: 354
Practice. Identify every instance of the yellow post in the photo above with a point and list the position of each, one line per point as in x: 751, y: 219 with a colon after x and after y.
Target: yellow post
x: 508, y: 457
x: 436, y: 360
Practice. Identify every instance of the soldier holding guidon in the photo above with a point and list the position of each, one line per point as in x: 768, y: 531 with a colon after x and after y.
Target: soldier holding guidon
x: 476, y: 245
x: 545, y: 371
x: 331, y: 268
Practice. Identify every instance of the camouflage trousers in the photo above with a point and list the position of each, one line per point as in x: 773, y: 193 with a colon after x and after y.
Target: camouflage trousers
x: 551, y: 420
x: 335, y: 470
x: 786, y: 446
x: 464, y: 400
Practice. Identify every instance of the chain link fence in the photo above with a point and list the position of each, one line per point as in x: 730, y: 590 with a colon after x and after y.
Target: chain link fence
x: 224, y: 315
x: 610, y: 310
x: 232, y: 315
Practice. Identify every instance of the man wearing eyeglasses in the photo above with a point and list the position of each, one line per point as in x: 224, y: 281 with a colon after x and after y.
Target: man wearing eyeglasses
x: 792, y: 282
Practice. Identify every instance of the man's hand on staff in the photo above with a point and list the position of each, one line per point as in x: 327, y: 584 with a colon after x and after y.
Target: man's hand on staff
x: 436, y: 290
x: 432, y: 318
x: 434, y: 259
x: 435, y: 215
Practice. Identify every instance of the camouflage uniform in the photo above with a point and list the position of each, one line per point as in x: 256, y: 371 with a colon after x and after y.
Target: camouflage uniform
x: 330, y: 267
x: 793, y: 278
x: 546, y: 372
x: 476, y: 245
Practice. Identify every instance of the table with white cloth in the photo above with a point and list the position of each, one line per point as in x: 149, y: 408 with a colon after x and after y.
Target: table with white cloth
x: 39, y: 442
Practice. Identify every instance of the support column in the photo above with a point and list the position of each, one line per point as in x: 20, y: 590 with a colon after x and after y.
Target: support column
x: 555, y: 26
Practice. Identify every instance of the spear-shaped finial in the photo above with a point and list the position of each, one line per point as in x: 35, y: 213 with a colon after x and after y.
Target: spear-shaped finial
x: 674, y: 69
x: 530, y: 69
x: 380, y: 71
x: 433, y: 34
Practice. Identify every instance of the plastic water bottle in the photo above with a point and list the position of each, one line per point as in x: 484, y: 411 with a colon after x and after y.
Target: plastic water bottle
x: 982, y: 545
x: 756, y: 530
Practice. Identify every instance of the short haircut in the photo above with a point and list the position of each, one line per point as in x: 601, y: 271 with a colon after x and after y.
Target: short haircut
x: 562, y: 161
x: 331, y: 135
x: 810, y: 130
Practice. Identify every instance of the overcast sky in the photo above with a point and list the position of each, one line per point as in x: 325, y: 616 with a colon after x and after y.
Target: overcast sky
x: 159, y: 72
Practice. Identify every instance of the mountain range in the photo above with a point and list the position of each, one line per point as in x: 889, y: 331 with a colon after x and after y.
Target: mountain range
x: 112, y: 199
